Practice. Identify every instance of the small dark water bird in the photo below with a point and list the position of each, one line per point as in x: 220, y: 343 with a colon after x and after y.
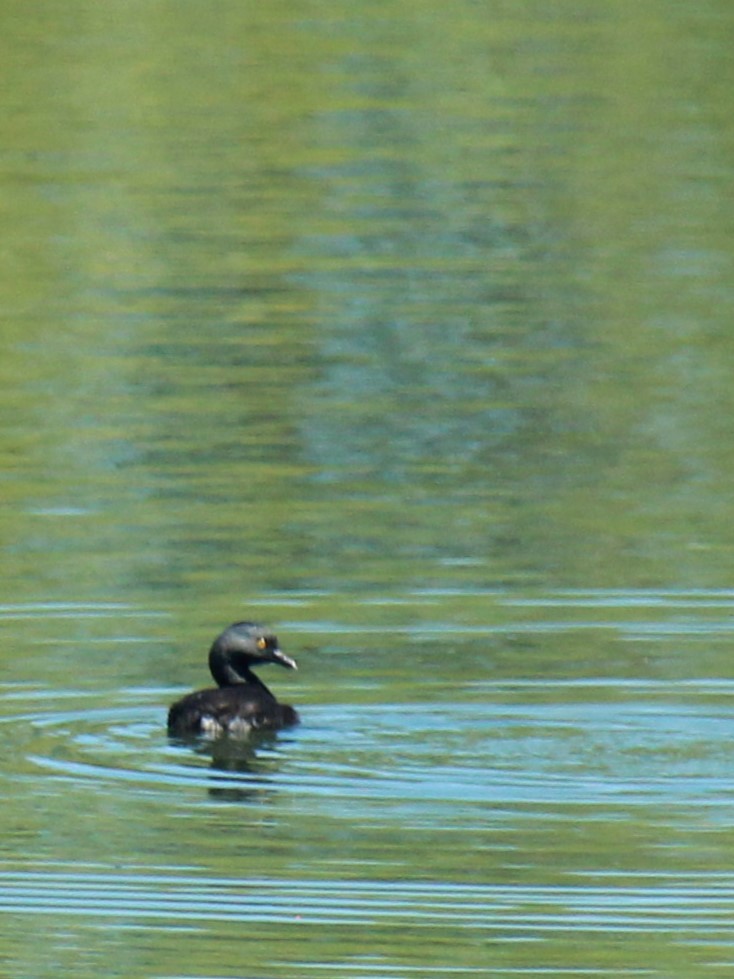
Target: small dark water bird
x: 241, y: 702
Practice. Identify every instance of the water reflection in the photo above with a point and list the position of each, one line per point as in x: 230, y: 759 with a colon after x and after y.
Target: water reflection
x: 413, y: 326
x: 242, y: 769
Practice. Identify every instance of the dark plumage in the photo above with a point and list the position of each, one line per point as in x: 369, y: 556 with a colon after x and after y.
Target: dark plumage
x: 241, y: 702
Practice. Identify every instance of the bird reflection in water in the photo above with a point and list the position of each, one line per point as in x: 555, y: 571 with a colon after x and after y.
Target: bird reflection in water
x: 242, y: 770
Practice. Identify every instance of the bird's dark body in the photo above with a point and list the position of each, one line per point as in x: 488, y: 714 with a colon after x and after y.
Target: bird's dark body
x: 241, y: 703
x: 238, y: 708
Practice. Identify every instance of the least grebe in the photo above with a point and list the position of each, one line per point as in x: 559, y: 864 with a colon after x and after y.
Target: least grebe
x: 241, y: 702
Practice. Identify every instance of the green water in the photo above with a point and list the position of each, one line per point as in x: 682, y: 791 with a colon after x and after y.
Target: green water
x: 406, y: 329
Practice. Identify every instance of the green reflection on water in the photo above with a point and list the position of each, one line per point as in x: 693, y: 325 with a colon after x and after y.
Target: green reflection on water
x: 359, y: 305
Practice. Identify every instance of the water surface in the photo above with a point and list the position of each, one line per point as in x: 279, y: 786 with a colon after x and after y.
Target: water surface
x: 409, y: 334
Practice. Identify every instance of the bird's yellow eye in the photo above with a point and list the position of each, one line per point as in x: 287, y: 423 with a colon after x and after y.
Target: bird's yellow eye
x: 262, y: 643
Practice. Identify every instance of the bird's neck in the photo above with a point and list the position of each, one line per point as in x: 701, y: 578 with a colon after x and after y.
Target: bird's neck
x: 227, y: 674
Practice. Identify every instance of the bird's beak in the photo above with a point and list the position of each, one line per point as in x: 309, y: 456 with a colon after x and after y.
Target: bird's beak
x: 279, y: 657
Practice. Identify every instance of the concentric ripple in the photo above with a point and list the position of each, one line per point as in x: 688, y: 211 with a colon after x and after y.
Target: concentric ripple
x: 422, y: 758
